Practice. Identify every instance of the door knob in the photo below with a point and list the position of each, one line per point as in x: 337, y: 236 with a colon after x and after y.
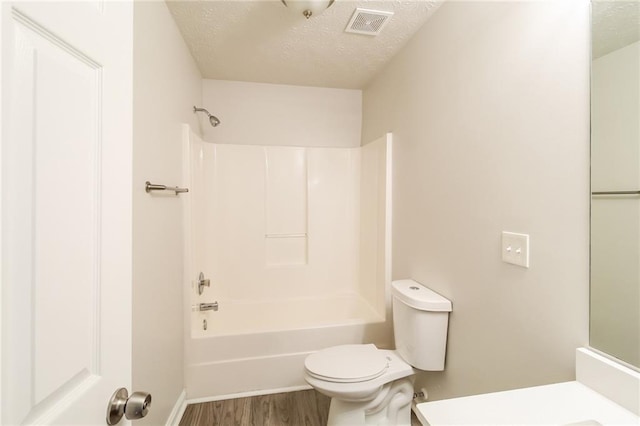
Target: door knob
x: 132, y: 407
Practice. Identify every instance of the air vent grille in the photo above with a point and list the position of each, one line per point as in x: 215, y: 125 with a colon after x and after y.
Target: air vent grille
x: 369, y: 22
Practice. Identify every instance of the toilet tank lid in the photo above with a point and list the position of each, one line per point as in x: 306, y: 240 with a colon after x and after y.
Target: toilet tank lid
x: 419, y: 297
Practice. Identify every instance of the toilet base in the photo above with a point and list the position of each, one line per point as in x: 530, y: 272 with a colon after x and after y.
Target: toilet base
x: 392, y: 406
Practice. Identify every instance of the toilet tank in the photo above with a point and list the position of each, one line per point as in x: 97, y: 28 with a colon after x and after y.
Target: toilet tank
x: 420, y: 322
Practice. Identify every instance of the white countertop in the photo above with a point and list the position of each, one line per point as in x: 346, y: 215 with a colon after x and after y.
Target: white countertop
x: 557, y: 404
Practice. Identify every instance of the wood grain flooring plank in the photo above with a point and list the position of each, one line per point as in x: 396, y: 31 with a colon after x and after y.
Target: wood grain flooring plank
x: 279, y: 410
x: 212, y: 413
x: 303, y: 408
x: 259, y: 410
x: 235, y: 412
x: 190, y: 416
x: 322, y: 403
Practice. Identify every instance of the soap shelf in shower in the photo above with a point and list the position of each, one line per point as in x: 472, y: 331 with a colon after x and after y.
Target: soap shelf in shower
x: 148, y: 186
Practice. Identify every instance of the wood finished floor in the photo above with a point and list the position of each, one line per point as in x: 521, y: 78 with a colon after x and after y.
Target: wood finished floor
x: 303, y: 408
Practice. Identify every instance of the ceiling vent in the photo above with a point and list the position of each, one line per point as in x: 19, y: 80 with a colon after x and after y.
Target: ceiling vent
x: 369, y: 22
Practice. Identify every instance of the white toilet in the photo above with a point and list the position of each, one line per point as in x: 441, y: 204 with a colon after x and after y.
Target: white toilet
x: 368, y: 385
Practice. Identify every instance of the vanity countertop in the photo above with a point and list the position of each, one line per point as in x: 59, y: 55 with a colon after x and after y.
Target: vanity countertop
x: 557, y: 404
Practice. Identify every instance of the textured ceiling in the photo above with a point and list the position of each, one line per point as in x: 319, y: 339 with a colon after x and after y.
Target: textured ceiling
x: 263, y: 41
x: 615, y: 24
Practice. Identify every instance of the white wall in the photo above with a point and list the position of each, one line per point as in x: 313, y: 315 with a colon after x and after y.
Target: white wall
x: 166, y: 86
x: 615, y: 221
x: 274, y: 114
x: 489, y: 107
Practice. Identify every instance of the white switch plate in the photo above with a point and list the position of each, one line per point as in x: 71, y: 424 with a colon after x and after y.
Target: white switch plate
x: 515, y: 248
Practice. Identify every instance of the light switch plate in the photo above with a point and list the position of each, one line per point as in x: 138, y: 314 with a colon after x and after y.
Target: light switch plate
x: 515, y: 248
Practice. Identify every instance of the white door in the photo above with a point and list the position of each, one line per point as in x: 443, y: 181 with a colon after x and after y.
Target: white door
x: 66, y: 209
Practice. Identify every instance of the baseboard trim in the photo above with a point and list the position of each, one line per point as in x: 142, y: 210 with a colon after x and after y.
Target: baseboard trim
x: 178, y: 410
x: 248, y: 394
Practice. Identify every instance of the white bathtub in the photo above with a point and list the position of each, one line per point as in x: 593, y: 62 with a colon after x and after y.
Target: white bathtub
x: 236, y: 356
x: 296, y: 243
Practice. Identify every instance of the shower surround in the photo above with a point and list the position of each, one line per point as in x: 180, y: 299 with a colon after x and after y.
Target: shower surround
x: 296, y: 243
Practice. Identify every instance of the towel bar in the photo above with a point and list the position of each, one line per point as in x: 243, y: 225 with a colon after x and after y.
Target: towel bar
x: 155, y: 187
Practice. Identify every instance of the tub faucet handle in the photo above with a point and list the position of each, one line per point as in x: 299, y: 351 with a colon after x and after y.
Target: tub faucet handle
x: 202, y: 283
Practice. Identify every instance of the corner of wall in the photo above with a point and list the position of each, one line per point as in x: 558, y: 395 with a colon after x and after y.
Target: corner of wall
x: 167, y: 84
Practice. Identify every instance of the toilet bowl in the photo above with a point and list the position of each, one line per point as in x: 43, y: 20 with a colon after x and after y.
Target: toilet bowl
x: 368, y: 385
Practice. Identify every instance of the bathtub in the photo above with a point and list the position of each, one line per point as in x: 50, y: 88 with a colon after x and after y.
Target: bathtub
x: 234, y: 356
x: 296, y: 244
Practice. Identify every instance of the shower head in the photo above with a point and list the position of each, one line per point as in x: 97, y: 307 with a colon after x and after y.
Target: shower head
x: 212, y: 118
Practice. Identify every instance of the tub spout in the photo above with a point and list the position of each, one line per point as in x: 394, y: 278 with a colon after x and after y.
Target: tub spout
x: 208, y: 306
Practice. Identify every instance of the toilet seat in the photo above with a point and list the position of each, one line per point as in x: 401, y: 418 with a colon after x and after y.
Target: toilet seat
x: 364, y: 390
x: 347, y: 364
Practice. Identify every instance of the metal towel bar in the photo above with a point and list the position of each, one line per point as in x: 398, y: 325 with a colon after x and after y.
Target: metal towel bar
x: 148, y: 186
x: 616, y: 193
x: 285, y: 235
